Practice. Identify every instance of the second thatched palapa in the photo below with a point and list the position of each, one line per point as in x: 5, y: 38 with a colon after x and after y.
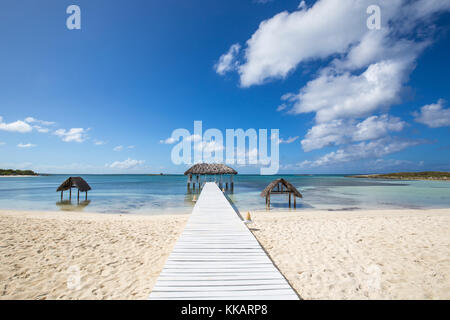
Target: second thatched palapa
x: 281, y: 186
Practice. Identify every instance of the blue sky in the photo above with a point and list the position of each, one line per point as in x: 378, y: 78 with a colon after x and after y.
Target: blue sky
x: 104, y: 99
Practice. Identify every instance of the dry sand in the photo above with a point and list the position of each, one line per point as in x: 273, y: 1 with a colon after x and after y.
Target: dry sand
x: 377, y: 254
x: 387, y: 254
x: 118, y: 257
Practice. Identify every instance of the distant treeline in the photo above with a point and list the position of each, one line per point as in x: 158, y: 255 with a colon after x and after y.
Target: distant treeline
x: 12, y: 172
x: 426, y: 175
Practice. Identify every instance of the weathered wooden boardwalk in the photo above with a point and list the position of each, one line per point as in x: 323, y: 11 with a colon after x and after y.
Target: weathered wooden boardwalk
x: 217, y: 257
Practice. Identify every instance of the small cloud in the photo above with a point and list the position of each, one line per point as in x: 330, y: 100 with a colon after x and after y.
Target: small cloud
x: 434, y: 115
x: 228, y: 62
x: 41, y: 129
x: 73, y: 135
x: 2, y: 143
x: 39, y: 125
x: 131, y: 147
x: 99, y: 142
x: 126, y: 164
x: 42, y: 122
x: 26, y: 145
x: 285, y: 141
x: 289, y: 140
x: 118, y: 148
x: 168, y: 141
x: 281, y: 107
x: 191, y: 138
x: 17, y: 126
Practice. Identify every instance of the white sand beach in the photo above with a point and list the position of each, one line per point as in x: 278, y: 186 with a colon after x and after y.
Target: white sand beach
x: 118, y: 256
x: 370, y: 254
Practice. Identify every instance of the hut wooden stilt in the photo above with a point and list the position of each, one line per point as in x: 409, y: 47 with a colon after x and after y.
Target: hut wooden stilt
x: 205, y: 172
x: 74, y: 182
x: 281, y: 186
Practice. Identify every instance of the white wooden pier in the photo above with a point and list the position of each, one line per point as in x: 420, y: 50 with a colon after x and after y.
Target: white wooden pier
x: 217, y: 257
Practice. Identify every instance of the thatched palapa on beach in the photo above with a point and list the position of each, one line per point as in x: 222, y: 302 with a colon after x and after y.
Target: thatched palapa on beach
x: 282, y: 187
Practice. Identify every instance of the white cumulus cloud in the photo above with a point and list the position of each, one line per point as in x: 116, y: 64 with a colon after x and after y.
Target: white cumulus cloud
x: 72, y: 135
x: 333, y: 96
x: 126, y: 164
x: 337, y: 132
x: 363, y: 150
x: 363, y: 72
x: 434, y: 115
x: 16, y: 126
x: 287, y: 39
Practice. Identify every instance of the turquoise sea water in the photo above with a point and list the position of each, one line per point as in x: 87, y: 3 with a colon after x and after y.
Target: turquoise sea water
x: 145, y: 194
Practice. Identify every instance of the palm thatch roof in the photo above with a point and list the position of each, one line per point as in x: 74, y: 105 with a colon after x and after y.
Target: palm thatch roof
x: 210, y: 168
x: 76, y: 182
x: 289, y: 188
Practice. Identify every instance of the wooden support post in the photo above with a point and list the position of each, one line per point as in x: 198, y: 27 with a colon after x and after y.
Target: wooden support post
x: 70, y: 194
x: 86, y: 196
x: 268, y: 203
x: 78, y: 197
x: 62, y: 195
x: 295, y: 201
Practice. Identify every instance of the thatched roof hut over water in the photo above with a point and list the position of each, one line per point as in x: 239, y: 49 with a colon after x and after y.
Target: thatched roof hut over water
x: 74, y: 182
x: 209, y: 169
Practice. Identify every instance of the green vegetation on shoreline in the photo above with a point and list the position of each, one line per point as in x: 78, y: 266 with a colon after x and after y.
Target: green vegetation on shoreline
x: 12, y: 172
x: 426, y: 175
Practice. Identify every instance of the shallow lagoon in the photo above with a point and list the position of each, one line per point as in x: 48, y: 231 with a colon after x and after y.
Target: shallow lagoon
x: 144, y: 194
